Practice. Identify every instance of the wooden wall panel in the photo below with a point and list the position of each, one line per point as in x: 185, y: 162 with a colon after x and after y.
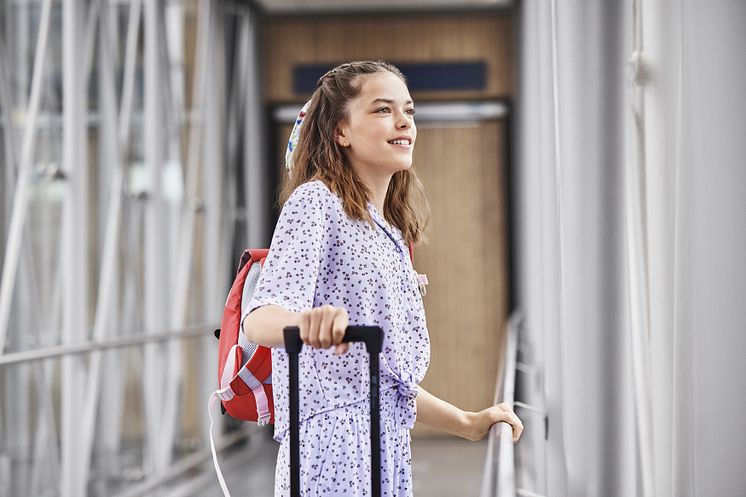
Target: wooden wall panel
x: 465, y: 260
x: 288, y: 41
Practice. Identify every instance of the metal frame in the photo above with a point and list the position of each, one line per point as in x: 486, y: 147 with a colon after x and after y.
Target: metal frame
x: 85, y: 342
x: 20, y: 198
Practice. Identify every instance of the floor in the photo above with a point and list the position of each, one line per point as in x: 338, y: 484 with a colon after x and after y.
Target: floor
x: 441, y: 467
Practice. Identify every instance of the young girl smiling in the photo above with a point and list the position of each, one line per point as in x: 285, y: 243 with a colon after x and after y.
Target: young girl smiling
x: 352, y: 206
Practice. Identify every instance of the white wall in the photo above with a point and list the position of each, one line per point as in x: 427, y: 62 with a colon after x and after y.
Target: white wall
x: 714, y: 168
x: 631, y: 198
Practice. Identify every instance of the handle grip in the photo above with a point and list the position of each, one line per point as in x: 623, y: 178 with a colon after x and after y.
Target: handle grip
x: 371, y: 336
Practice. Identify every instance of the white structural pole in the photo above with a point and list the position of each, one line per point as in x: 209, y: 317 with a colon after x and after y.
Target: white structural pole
x: 212, y: 176
x: 10, y: 264
x: 128, y: 84
x: 255, y: 192
x: 105, y: 429
x: 113, y: 414
x: 112, y: 157
x: 74, y: 247
x: 194, y: 155
x: 9, y: 148
x: 172, y: 382
x: 90, y: 36
x: 557, y: 477
x: 156, y: 258
x: 173, y: 75
x: 212, y: 179
x: 187, y: 222
x: 21, y: 63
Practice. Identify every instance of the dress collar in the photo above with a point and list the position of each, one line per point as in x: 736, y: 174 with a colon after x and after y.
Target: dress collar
x: 392, y: 231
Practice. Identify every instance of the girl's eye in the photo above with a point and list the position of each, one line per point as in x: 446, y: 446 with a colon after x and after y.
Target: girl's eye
x: 387, y: 110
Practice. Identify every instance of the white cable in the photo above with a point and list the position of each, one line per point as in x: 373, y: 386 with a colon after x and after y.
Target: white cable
x: 223, y: 486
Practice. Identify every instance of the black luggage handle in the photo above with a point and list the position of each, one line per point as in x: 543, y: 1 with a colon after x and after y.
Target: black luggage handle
x: 372, y: 336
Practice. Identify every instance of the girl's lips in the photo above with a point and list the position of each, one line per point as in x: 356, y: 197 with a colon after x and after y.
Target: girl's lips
x: 406, y: 145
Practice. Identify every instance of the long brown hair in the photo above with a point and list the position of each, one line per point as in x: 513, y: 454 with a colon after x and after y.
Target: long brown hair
x: 318, y: 156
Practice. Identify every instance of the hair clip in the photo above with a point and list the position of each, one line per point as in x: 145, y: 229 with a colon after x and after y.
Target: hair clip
x: 294, y: 137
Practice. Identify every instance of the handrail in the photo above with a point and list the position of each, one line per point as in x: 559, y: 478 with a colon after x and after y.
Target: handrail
x: 498, y: 478
x: 195, y: 331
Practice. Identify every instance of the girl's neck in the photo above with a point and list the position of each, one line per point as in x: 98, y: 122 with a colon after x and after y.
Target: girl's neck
x: 378, y: 186
x: 378, y: 198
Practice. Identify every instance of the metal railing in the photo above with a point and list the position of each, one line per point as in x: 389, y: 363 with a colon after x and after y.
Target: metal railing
x: 191, y: 463
x: 196, y: 331
x: 500, y: 470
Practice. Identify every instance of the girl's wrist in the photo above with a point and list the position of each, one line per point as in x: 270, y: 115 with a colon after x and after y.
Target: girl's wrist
x: 468, y: 421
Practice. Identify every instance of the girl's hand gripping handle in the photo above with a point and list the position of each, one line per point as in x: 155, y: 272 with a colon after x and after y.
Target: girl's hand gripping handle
x: 372, y: 336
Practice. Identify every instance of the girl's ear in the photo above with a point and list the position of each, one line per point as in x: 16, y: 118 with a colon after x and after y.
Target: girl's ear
x: 341, y: 135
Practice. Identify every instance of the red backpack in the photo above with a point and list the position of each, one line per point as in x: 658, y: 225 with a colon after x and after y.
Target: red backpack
x: 244, y: 368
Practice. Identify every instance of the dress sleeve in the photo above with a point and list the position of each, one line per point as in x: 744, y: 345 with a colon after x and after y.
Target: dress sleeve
x: 289, y: 276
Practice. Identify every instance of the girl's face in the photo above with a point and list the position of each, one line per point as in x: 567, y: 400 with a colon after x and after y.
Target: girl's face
x: 378, y: 134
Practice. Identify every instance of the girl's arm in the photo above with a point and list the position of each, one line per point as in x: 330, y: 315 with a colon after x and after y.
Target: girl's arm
x: 264, y: 325
x: 320, y: 327
x: 439, y: 414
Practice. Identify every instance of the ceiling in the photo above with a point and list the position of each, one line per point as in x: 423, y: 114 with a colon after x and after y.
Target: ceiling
x: 389, y: 6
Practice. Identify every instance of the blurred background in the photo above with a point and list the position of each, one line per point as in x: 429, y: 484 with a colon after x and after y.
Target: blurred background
x: 586, y: 166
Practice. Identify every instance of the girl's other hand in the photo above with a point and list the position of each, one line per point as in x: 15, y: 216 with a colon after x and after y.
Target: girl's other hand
x: 323, y: 327
x: 482, y: 421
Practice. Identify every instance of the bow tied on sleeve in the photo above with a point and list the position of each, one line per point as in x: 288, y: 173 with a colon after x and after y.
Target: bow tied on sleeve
x: 406, y: 403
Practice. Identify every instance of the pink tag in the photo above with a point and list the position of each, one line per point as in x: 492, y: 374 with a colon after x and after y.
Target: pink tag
x: 422, y: 280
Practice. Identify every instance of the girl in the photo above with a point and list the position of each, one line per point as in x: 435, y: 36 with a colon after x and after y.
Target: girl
x: 351, y: 206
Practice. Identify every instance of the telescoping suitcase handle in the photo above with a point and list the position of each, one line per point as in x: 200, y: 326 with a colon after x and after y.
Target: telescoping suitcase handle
x: 372, y: 336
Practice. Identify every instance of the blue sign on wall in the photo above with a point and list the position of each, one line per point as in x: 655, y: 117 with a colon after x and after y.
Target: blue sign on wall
x: 446, y: 76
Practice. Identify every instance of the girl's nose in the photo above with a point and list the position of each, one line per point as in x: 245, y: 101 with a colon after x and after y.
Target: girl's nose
x: 404, y: 122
